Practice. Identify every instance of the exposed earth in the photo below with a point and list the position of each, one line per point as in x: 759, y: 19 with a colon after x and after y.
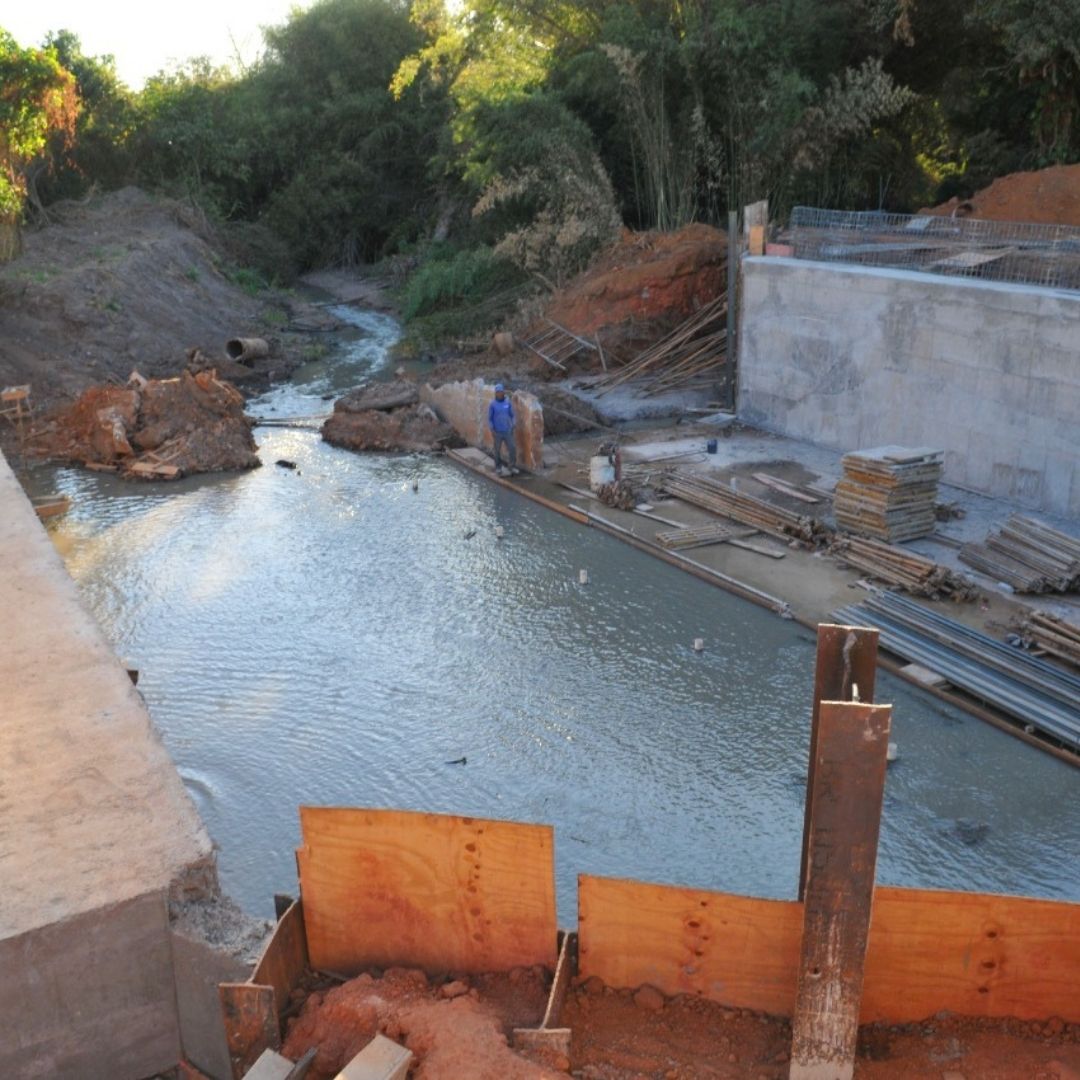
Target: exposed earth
x: 1049, y: 197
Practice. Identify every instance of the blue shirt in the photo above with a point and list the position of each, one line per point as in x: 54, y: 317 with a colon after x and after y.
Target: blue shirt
x: 501, y: 415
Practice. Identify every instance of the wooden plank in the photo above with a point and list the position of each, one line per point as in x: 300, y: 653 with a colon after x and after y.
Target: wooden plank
x: 758, y: 549
x: 784, y: 487
x: 846, y: 660
x: 845, y: 818
x: 389, y: 888
x: 381, y: 1059
x: 251, y: 1024
x: 736, y: 950
x: 285, y: 957
x: 972, y: 954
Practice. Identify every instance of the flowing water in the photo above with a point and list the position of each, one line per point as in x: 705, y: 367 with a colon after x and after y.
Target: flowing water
x: 328, y: 635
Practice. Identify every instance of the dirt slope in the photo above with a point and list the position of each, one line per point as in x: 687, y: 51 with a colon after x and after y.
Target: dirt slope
x: 1049, y: 196
x: 121, y: 281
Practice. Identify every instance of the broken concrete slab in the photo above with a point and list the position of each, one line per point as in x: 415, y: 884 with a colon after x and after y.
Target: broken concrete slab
x: 464, y: 405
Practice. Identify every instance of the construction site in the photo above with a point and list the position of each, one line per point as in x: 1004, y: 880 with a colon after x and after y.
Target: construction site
x: 733, y: 732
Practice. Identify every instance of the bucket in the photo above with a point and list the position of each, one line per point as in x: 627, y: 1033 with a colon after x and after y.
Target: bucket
x: 710, y: 446
x: 601, y: 472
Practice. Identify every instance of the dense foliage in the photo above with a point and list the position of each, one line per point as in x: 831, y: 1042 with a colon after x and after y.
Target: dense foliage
x: 493, y: 141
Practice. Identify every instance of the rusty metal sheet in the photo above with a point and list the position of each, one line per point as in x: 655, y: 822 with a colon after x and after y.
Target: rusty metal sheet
x: 251, y: 1023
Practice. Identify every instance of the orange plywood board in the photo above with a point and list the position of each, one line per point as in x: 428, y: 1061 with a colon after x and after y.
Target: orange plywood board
x: 440, y: 892
x: 971, y: 953
x: 736, y: 950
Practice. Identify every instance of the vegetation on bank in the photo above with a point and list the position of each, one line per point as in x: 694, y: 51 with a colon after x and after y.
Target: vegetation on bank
x: 489, y: 145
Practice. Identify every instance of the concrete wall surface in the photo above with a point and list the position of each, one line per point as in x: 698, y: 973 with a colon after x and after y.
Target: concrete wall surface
x: 464, y: 406
x: 92, y: 997
x: 95, y: 829
x: 855, y: 357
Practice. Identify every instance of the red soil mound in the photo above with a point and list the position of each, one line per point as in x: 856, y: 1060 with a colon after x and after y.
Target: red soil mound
x: 646, y: 277
x: 1049, y: 196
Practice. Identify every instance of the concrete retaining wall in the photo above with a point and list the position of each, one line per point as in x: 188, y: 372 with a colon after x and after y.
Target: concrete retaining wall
x: 96, y: 829
x: 464, y: 405
x: 852, y: 357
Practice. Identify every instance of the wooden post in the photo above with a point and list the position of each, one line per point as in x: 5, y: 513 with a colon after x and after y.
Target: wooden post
x: 846, y: 660
x: 849, y: 784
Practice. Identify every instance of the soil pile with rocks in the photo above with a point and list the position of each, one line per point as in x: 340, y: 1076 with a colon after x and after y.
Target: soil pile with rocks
x: 1047, y: 196
x: 387, y: 416
x: 456, y: 1028
x: 119, y: 281
x: 153, y: 429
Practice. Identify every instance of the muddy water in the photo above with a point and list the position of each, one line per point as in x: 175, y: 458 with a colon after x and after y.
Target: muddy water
x: 328, y: 635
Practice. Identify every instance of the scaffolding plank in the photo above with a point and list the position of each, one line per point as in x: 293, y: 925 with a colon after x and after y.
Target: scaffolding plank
x: 386, y: 888
x: 845, y: 817
x: 736, y: 950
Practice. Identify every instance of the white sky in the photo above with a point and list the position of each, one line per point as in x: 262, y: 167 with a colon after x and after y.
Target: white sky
x: 145, y: 38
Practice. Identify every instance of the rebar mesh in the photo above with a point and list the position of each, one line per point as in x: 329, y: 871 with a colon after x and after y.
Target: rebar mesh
x: 1019, y: 252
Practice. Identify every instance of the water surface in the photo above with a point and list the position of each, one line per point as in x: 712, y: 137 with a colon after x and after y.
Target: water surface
x: 327, y: 635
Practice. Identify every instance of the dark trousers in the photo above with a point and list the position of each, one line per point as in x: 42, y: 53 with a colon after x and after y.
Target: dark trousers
x: 505, y: 438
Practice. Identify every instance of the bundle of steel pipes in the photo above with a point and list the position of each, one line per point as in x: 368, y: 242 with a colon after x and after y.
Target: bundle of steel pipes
x: 1028, y: 556
x: 1038, y: 694
x: 718, y: 498
x: 913, y: 573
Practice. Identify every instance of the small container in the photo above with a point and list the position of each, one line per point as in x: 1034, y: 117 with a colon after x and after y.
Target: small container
x: 583, y: 577
x: 699, y: 644
x: 710, y: 446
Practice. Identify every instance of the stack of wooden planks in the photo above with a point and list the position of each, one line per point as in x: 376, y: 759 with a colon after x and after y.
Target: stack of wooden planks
x: 694, y: 350
x: 718, y: 498
x: 1051, y: 634
x: 888, y: 492
x: 1028, y: 556
x: 905, y: 570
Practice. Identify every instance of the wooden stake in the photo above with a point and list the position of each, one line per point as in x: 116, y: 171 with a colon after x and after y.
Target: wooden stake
x: 846, y: 659
x: 849, y: 785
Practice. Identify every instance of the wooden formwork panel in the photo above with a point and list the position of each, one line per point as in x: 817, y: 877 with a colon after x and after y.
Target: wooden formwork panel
x: 733, y: 949
x: 285, y: 957
x: 971, y: 953
x: 384, y: 888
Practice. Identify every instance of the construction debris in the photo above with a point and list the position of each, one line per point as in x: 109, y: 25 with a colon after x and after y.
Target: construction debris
x: 1053, y: 635
x: 157, y: 429
x: 619, y: 494
x: 695, y: 349
x: 719, y: 499
x: 888, y: 492
x: 906, y: 570
x: 1028, y: 556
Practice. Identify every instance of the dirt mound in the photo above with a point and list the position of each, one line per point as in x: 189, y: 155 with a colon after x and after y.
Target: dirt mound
x: 1049, y: 196
x: 456, y: 1030
x: 156, y: 429
x: 413, y: 428
x: 120, y: 281
x: 650, y: 277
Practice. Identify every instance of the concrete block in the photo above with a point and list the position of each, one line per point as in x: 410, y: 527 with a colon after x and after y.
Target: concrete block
x: 198, y: 968
x: 91, y: 998
x: 463, y: 405
x: 381, y: 1059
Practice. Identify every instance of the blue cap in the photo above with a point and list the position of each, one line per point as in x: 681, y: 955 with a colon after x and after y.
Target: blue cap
x: 499, y: 386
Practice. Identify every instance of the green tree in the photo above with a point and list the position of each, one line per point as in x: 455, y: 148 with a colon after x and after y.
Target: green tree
x: 37, y: 98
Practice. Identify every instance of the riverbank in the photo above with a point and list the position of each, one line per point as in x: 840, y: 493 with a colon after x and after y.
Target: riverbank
x: 787, y: 578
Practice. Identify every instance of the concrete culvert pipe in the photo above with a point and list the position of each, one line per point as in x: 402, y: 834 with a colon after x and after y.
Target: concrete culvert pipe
x: 245, y: 349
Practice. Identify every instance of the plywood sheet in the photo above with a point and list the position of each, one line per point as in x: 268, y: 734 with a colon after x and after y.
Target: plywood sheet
x: 439, y: 892
x: 285, y: 957
x: 251, y: 1025
x: 736, y: 950
x: 971, y: 953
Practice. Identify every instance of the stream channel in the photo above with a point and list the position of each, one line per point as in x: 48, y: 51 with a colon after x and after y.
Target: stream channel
x: 326, y: 635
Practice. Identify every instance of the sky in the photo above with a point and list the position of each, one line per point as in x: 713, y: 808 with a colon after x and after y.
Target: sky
x: 145, y: 38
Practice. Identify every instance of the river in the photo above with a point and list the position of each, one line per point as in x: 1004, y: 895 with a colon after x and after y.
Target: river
x: 328, y: 635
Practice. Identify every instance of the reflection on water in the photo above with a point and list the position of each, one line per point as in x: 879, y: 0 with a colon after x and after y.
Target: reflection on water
x: 329, y: 636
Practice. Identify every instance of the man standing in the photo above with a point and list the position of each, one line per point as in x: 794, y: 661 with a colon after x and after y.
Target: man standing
x: 501, y: 421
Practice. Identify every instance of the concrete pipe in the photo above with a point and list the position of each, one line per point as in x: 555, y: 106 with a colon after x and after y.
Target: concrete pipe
x: 245, y: 349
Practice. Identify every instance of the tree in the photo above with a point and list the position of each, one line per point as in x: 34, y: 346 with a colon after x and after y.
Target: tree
x: 37, y: 98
